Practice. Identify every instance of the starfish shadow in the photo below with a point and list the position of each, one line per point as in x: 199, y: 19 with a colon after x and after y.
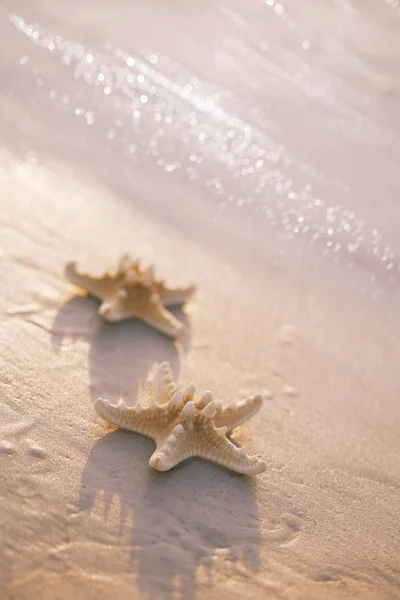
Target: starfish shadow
x: 181, y: 519
x: 120, y: 354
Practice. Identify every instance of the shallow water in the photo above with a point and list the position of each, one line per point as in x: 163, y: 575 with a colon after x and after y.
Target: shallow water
x: 287, y: 120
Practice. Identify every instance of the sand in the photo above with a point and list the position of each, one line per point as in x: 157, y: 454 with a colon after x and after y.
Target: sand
x: 250, y: 147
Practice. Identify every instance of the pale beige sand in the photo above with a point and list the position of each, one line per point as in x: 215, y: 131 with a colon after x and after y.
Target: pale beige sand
x: 81, y: 513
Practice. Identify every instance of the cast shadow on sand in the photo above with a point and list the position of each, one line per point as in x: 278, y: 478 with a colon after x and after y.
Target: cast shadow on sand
x: 180, y: 518
x: 120, y: 354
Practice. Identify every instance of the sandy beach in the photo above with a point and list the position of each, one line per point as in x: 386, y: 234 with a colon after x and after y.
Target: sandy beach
x: 252, y: 148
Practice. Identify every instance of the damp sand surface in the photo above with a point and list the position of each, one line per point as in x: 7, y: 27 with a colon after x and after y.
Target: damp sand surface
x: 252, y: 148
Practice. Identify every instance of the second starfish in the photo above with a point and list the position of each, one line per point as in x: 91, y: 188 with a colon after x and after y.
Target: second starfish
x: 132, y: 291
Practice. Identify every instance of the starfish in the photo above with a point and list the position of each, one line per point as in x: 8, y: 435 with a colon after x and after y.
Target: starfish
x: 183, y: 428
x: 133, y: 291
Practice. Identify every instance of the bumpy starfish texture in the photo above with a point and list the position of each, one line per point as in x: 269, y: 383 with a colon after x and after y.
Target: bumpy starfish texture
x: 183, y: 428
x: 133, y: 291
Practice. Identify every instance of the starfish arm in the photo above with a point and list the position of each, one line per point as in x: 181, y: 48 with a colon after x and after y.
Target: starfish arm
x: 171, y: 451
x: 100, y: 287
x: 235, y: 413
x: 160, y: 318
x: 222, y: 451
x: 108, y: 309
x: 172, y: 296
x: 164, y: 385
x: 151, y: 421
x: 196, y: 435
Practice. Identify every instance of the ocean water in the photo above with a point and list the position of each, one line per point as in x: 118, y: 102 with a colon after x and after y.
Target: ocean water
x: 280, y: 123
x: 286, y: 118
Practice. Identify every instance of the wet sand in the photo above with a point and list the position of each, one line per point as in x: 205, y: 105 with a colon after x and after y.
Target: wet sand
x: 252, y: 149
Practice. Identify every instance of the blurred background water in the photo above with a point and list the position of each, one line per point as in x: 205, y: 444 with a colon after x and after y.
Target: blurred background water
x: 272, y: 126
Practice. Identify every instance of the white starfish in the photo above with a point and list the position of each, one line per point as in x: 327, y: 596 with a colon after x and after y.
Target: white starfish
x: 182, y: 427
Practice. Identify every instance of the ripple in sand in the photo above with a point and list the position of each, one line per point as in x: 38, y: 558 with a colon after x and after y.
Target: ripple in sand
x: 6, y: 447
